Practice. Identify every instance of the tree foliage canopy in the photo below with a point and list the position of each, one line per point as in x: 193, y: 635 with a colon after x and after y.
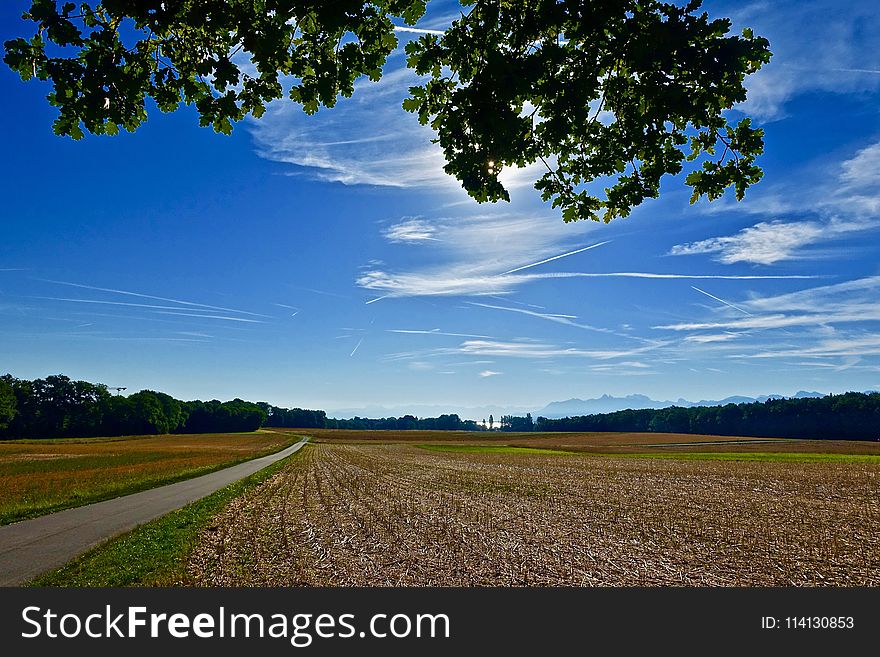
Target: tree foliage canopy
x: 607, y: 95
x: 57, y: 407
x: 7, y: 404
x: 850, y: 416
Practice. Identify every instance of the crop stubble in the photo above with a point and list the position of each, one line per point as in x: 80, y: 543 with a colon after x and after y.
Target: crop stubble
x: 395, y: 515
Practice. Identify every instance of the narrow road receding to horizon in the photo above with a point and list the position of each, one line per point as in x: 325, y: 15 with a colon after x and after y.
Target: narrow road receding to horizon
x: 31, y: 547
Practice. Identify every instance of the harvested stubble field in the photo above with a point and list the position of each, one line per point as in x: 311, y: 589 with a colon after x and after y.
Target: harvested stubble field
x: 42, y: 476
x: 397, y: 515
x: 603, y: 443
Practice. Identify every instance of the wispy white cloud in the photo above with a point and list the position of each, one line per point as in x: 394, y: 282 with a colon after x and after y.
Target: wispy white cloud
x: 373, y: 141
x: 471, y: 252
x: 823, y: 297
x: 847, y: 62
x: 411, y: 230
x: 417, y: 30
x: 487, y: 373
x: 845, y: 203
x: 830, y: 324
x: 436, y: 332
x: 862, y: 171
x: 480, y: 249
x: 769, y: 242
x: 625, y: 368
x: 851, y: 346
x: 853, y: 313
x: 706, y: 338
x: 486, y: 351
x: 453, y: 283
x: 497, y: 348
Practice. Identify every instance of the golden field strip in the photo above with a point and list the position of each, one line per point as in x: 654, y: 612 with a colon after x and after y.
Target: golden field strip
x: 359, y: 509
x: 42, y: 476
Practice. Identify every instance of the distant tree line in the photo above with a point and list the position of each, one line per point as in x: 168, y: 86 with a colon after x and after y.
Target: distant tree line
x: 300, y: 418
x: 516, y: 423
x: 450, y: 422
x: 849, y: 416
x: 297, y: 418
x: 57, y: 407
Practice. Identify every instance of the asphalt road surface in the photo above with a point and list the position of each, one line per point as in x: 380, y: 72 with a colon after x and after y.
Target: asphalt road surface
x: 31, y: 547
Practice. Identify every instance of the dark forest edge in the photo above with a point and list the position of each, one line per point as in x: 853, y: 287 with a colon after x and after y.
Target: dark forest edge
x: 849, y: 416
x: 57, y: 407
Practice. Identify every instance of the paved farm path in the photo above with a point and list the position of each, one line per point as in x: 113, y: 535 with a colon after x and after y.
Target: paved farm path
x: 31, y: 547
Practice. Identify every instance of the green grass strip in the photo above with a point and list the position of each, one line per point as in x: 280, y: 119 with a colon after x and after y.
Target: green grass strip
x: 492, y: 449
x: 153, y: 554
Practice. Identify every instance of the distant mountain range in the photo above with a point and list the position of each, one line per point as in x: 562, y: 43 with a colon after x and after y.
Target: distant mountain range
x: 609, y: 404
x: 429, y: 410
x: 553, y: 410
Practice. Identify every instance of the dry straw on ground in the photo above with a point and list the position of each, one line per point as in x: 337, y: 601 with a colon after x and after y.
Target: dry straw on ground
x: 397, y: 515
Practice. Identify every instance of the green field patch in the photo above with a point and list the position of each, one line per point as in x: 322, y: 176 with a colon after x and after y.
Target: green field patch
x: 770, y: 457
x: 748, y: 441
x: 492, y: 449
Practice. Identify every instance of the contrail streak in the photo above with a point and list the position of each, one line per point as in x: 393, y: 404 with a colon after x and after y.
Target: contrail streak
x: 556, y: 257
x: 418, y: 30
x: 559, y: 319
x: 726, y: 303
x: 149, y: 296
x: 439, y: 332
x: 639, y: 274
x: 814, y: 69
x: 128, y: 305
x: 228, y: 319
x: 356, y: 347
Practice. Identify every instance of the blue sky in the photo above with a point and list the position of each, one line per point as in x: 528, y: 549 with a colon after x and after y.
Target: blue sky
x: 328, y: 262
